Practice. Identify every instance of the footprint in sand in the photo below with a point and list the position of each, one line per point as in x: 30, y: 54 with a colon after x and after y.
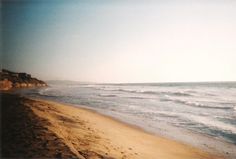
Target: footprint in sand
x: 123, y: 157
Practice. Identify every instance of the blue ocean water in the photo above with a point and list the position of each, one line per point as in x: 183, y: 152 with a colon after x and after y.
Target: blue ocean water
x: 206, y: 108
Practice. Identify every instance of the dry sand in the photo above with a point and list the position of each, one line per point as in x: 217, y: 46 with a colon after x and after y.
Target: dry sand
x: 38, y: 128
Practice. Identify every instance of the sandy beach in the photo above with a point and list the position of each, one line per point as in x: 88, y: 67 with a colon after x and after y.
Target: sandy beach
x: 33, y: 128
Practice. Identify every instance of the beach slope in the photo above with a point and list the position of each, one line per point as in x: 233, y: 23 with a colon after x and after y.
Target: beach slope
x: 39, y: 128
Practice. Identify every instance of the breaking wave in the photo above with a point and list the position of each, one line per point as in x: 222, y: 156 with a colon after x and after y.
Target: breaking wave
x: 178, y: 93
x: 196, y: 104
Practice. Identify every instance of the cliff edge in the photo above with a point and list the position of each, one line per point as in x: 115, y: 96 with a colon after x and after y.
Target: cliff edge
x: 9, y: 79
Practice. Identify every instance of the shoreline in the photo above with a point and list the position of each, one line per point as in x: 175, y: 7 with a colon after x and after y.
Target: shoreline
x: 87, y: 132
x: 187, y: 137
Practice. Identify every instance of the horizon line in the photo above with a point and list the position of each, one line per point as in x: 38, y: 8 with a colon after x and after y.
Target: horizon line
x: 141, y: 82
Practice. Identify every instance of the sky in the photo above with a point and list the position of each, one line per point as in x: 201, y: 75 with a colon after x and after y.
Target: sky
x: 123, y: 41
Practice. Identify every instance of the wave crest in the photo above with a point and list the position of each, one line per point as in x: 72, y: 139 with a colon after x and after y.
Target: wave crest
x: 177, y: 93
x: 196, y: 104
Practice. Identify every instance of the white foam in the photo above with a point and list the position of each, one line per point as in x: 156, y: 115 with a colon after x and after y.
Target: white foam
x: 213, y: 123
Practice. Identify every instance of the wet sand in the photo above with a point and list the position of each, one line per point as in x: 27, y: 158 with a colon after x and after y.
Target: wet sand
x: 33, y: 128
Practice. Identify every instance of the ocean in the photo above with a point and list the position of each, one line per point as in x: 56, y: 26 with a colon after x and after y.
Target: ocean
x: 171, y: 109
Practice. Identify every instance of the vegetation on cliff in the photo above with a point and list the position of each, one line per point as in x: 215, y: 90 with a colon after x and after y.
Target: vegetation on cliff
x: 9, y: 79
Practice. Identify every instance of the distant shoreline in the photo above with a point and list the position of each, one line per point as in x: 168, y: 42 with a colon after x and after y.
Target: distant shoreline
x: 10, y: 80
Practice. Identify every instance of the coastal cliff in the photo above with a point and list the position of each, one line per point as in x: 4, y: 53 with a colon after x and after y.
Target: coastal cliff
x: 9, y: 79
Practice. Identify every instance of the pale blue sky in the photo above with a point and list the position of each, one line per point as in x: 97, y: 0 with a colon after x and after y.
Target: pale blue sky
x: 121, y: 41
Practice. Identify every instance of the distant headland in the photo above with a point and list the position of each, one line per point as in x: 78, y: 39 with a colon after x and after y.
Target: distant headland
x: 9, y: 79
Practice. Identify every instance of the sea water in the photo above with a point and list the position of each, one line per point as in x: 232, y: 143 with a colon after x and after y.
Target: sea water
x: 167, y: 108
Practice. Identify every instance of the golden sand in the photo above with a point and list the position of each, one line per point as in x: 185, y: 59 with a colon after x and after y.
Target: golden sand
x: 89, y: 134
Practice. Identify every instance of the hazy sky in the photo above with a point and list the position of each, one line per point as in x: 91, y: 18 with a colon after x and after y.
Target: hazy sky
x: 121, y: 40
